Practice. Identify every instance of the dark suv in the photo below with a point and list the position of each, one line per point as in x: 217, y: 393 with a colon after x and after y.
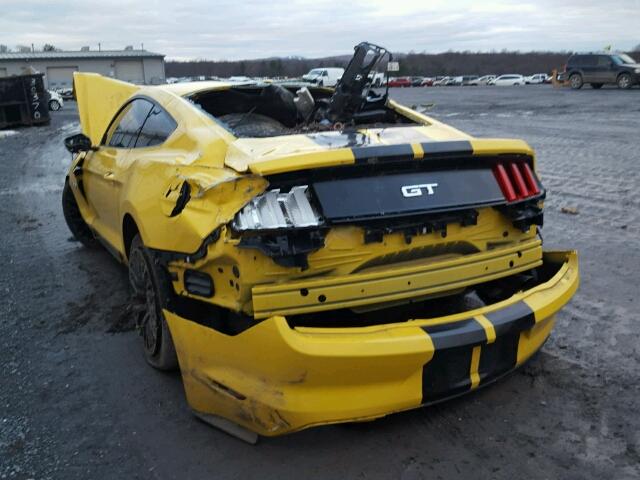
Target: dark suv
x: 600, y: 68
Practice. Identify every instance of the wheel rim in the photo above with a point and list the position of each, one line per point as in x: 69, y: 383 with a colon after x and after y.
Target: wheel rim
x: 575, y: 81
x: 145, y: 306
x: 624, y: 81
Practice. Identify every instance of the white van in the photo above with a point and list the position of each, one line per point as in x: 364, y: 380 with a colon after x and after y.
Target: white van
x: 324, y: 77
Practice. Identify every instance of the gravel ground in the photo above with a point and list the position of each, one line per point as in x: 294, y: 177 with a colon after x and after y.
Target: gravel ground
x: 78, y: 401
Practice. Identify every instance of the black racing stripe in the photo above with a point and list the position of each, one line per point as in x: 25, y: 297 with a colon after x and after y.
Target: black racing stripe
x: 458, y: 147
x: 447, y: 374
x: 384, y: 152
x: 498, y: 357
x: 512, y: 319
x: 456, y: 334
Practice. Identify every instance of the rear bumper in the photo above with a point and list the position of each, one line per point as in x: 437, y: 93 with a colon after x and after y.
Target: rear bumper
x: 275, y: 379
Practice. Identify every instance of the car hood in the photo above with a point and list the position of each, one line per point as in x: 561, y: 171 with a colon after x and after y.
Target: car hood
x: 268, y: 156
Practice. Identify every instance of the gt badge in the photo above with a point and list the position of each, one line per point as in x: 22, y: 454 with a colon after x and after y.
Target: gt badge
x: 417, y: 190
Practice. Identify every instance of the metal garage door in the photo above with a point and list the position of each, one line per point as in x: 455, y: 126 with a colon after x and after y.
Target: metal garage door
x: 130, y: 71
x: 3, y: 72
x: 60, y: 77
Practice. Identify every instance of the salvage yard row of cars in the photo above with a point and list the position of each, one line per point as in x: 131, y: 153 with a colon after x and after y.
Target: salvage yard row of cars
x: 308, y: 256
x: 470, y: 80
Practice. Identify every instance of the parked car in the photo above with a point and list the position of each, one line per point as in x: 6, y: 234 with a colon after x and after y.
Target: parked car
x: 440, y: 81
x: 536, y: 79
x: 324, y: 77
x: 234, y: 79
x: 416, y: 81
x: 427, y: 82
x: 484, y: 80
x: 400, y: 82
x: 378, y: 79
x: 292, y: 277
x: 598, y: 69
x: 65, y: 93
x: 55, y: 101
x: 468, y: 79
x: 508, y: 80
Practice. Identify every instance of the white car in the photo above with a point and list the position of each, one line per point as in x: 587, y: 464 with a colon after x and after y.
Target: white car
x: 508, y: 80
x: 484, y: 80
x: 55, y: 101
x: 536, y: 78
x: 324, y: 77
x: 240, y: 79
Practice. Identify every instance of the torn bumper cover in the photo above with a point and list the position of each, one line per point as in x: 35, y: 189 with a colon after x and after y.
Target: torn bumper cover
x: 273, y: 379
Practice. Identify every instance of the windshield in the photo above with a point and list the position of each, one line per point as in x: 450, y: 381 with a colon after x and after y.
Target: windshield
x: 622, y: 59
x: 315, y: 71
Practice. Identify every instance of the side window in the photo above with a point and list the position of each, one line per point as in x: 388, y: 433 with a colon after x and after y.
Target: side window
x: 156, y: 129
x: 604, y: 61
x: 325, y: 74
x: 124, y: 131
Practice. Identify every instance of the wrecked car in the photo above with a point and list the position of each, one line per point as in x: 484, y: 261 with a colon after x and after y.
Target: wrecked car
x: 309, y: 256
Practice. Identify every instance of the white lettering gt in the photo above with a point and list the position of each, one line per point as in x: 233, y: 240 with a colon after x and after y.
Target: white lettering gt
x: 416, y: 190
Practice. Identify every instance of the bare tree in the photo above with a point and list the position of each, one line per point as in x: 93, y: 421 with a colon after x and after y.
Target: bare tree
x: 637, y: 48
x: 4, y: 49
x: 49, y: 48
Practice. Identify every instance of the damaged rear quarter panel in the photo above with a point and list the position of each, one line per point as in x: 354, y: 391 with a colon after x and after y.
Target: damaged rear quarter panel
x: 213, y: 197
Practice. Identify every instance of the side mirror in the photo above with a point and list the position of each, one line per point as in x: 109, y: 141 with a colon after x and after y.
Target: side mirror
x: 78, y: 143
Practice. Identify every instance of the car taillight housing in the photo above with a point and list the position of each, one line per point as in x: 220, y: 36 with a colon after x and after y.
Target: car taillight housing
x: 517, y: 180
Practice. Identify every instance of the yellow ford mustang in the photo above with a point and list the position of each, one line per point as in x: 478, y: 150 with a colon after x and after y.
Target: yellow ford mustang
x: 297, y: 250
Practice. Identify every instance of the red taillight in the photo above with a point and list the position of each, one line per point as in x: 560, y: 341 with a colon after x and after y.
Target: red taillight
x: 530, y: 178
x: 517, y: 181
x: 504, y: 182
x: 516, y: 176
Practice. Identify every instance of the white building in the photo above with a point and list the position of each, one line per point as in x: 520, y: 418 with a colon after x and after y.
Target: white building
x: 135, y: 66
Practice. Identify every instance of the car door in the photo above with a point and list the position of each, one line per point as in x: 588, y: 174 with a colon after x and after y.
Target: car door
x: 606, y: 70
x: 103, y: 169
x: 589, y: 67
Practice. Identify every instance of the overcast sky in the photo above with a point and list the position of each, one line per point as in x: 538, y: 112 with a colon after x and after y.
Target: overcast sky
x: 215, y: 29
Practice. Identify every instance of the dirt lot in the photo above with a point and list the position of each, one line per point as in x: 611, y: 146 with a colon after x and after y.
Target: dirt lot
x: 78, y: 401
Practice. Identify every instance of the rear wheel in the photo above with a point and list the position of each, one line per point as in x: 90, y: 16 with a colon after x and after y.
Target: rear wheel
x: 151, y: 291
x: 75, y: 222
x: 576, y: 81
x: 54, y: 105
x: 596, y: 85
x: 624, y: 81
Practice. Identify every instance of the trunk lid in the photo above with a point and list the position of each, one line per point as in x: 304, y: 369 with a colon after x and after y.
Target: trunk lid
x: 288, y: 153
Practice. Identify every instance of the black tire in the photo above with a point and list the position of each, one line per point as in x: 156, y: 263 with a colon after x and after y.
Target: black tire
x: 73, y: 217
x: 54, y: 105
x: 624, y: 81
x: 321, y: 83
x: 596, y: 85
x: 151, y: 292
x: 575, y: 80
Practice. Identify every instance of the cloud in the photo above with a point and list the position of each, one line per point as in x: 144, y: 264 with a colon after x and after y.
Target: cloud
x: 255, y: 28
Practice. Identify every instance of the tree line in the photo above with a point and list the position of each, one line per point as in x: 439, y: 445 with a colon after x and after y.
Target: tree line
x: 425, y: 64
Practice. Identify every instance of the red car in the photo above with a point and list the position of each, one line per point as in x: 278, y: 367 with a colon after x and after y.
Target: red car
x: 400, y: 82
